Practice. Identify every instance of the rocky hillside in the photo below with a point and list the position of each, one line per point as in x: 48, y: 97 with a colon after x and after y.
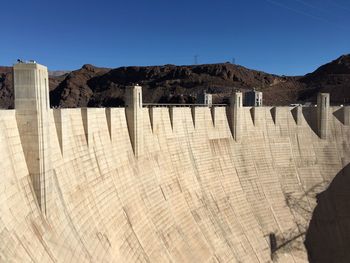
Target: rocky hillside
x: 333, y: 77
x: 94, y: 87
x: 6, y: 89
x: 91, y: 86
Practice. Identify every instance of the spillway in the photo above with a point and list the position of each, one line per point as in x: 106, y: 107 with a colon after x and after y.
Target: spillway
x: 192, y: 192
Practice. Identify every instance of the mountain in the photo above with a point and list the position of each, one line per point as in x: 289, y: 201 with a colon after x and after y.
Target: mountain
x: 74, y: 90
x: 95, y: 87
x: 333, y: 77
x: 57, y: 73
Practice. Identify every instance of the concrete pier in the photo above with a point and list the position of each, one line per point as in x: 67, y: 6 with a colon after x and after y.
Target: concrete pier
x: 235, y: 115
x: 32, y: 110
x: 298, y: 113
x: 346, y: 115
x: 60, y: 118
x: 134, y: 118
x: 322, y: 114
x: 257, y: 115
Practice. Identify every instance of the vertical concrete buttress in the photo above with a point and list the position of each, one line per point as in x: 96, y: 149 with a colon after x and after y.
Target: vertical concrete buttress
x: 235, y: 115
x: 346, y: 115
x: 322, y: 114
x: 299, y: 115
x: 32, y: 106
x: 151, y: 117
x: 133, y: 111
x: 275, y: 114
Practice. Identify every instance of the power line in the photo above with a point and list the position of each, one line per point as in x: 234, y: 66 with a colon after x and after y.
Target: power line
x: 309, y: 5
x: 334, y: 3
x: 300, y: 12
x: 325, y: 9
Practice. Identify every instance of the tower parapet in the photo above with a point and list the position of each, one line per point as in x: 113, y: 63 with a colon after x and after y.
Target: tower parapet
x: 133, y: 111
x: 205, y: 98
x: 32, y: 106
x: 322, y: 114
x: 253, y: 98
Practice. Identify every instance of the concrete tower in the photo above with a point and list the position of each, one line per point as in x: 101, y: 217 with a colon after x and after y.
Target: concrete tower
x: 32, y: 112
x: 322, y: 114
x: 253, y: 98
x: 205, y: 98
x: 133, y: 110
x: 235, y: 115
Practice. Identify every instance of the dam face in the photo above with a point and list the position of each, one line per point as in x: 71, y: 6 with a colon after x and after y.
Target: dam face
x: 160, y: 184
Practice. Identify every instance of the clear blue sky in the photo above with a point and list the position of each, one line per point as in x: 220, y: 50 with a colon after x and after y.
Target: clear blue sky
x: 288, y: 37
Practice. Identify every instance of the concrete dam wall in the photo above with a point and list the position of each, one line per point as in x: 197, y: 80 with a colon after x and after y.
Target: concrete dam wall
x: 178, y: 184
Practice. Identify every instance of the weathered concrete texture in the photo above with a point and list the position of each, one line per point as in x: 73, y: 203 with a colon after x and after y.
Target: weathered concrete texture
x: 193, y: 195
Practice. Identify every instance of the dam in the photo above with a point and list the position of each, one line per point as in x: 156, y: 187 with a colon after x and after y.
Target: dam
x: 171, y: 184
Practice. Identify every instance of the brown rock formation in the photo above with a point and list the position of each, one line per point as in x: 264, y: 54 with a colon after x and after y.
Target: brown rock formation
x: 94, y: 87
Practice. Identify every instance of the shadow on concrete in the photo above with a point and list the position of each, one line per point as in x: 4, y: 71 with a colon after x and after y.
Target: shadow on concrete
x: 252, y: 113
x: 310, y: 116
x: 294, y: 112
x: 328, y: 236
x: 273, y: 113
x: 339, y: 114
x: 294, y: 239
x: 287, y: 242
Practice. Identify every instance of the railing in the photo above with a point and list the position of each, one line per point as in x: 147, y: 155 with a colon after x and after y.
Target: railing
x: 181, y: 105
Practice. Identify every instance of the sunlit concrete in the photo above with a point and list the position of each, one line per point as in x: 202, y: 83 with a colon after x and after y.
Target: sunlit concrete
x: 189, y: 193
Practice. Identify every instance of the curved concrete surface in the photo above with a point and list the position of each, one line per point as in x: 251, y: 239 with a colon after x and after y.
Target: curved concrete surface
x: 194, y: 195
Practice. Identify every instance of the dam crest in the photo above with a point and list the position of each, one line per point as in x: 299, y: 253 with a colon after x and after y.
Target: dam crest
x: 163, y: 183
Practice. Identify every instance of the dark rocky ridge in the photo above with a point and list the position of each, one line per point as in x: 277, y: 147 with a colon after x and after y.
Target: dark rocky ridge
x: 95, y: 87
x: 6, y: 89
x: 333, y: 77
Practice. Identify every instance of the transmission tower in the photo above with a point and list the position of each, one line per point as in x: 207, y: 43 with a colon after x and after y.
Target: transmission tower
x: 196, y: 59
x: 233, y: 60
